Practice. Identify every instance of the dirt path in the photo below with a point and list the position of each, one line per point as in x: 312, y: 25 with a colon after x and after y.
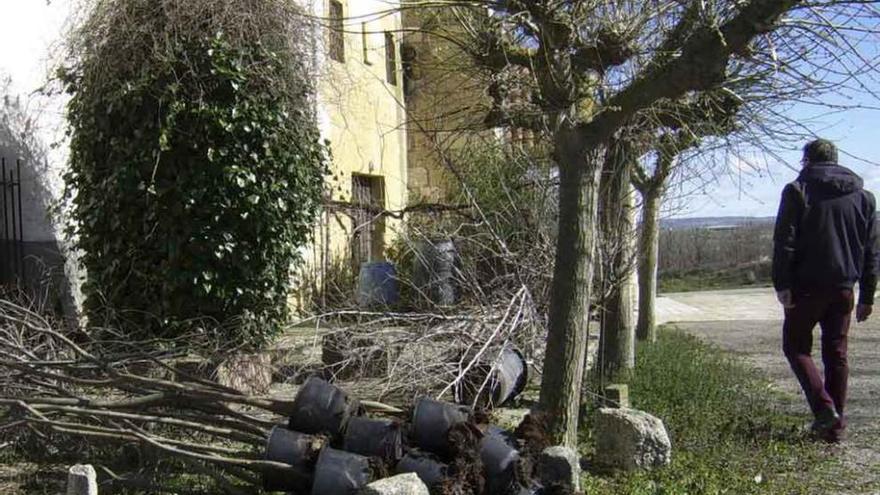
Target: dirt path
x: 747, y: 323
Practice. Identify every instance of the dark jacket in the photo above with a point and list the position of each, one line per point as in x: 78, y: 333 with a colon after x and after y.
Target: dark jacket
x: 825, y: 233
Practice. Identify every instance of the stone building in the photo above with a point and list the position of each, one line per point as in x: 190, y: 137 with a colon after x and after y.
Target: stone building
x: 356, y: 51
x: 446, y: 100
x: 391, y: 100
x: 361, y: 111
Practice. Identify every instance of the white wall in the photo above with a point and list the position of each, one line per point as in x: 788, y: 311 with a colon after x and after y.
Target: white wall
x: 30, y: 39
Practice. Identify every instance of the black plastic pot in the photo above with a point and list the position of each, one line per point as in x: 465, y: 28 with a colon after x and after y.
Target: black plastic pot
x: 508, y: 436
x: 320, y: 407
x: 340, y: 473
x: 428, y: 468
x: 432, y: 421
x: 506, y: 379
x: 377, y: 284
x: 535, y: 489
x: 374, y: 438
x: 500, y: 458
x: 512, y: 374
x: 295, y: 449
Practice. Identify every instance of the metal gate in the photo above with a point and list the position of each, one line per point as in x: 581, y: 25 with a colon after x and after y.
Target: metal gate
x: 369, y: 225
x: 12, y: 269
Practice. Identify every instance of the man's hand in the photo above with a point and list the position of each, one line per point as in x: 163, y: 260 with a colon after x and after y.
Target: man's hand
x: 785, y: 298
x: 863, y: 311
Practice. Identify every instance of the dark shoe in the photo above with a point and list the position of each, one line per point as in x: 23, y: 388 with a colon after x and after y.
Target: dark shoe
x: 832, y: 437
x: 826, y: 420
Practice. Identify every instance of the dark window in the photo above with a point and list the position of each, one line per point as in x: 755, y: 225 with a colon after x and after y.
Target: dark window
x: 390, y: 59
x: 408, y: 61
x: 368, y: 199
x: 336, y: 39
x: 365, y: 39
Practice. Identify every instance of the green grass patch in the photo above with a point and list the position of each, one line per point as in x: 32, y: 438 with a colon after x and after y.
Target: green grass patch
x: 727, y: 434
x: 748, y: 275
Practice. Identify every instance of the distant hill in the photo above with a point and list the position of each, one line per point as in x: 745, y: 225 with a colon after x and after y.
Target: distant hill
x: 714, y: 222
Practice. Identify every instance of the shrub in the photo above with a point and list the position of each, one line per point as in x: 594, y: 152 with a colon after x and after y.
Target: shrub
x: 196, y: 169
x: 506, y: 234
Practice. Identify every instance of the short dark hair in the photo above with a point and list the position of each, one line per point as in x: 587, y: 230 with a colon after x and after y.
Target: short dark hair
x: 820, y: 150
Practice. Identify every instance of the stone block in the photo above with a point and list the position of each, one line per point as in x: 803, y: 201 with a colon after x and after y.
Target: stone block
x: 402, y: 484
x: 418, y: 176
x: 629, y: 439
x: 508, y: 418
x: 248, y: 373
x: 617, y: 396
x: 559, y: 467
x: 82, y: 480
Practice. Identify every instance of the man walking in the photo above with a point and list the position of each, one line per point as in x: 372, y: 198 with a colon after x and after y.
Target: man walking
x: 825, y: 241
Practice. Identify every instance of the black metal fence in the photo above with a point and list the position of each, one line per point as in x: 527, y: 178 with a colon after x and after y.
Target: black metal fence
x: 12, y: 249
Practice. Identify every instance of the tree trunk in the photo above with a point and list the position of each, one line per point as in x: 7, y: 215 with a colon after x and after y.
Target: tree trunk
x: 570, y: 293
x: 646, y: 329
x: 617, y: 337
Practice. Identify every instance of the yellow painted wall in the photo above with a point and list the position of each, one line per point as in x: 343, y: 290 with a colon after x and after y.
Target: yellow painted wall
x: 363, y: 117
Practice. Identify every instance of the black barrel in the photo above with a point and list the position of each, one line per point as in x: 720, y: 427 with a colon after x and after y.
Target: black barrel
x: 340, y: 473
x: 500, y: 457
x: 320, y: 407
x: 295, y: 449
x: 432, y: 421
x: 374, y: 438
x: 428, y: 468
x: 434, y: 271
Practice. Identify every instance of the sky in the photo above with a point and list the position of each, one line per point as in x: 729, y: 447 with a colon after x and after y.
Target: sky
x: 30, y: 31
x: 755, y: 189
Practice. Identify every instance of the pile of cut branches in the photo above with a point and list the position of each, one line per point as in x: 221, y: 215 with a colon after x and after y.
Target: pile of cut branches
x: 59, y: 384
x: 53, y: 383
x: 401, y: 355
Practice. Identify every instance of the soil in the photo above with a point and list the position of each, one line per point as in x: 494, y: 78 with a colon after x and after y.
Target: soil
x: 466, y: 467
x: 758, y: 342
x: 532, y: 431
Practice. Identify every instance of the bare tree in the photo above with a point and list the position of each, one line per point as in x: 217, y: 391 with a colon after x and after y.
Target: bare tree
x: 617, y: 330
x: 562, y: 56
x: 816, y: 56
x: 576, y: 73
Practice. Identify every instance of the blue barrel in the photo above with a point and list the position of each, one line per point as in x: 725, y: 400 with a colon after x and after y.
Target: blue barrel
x: 377, y: 284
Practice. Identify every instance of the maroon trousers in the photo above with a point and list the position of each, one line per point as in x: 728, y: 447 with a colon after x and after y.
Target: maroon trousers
x: 832, y: 310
